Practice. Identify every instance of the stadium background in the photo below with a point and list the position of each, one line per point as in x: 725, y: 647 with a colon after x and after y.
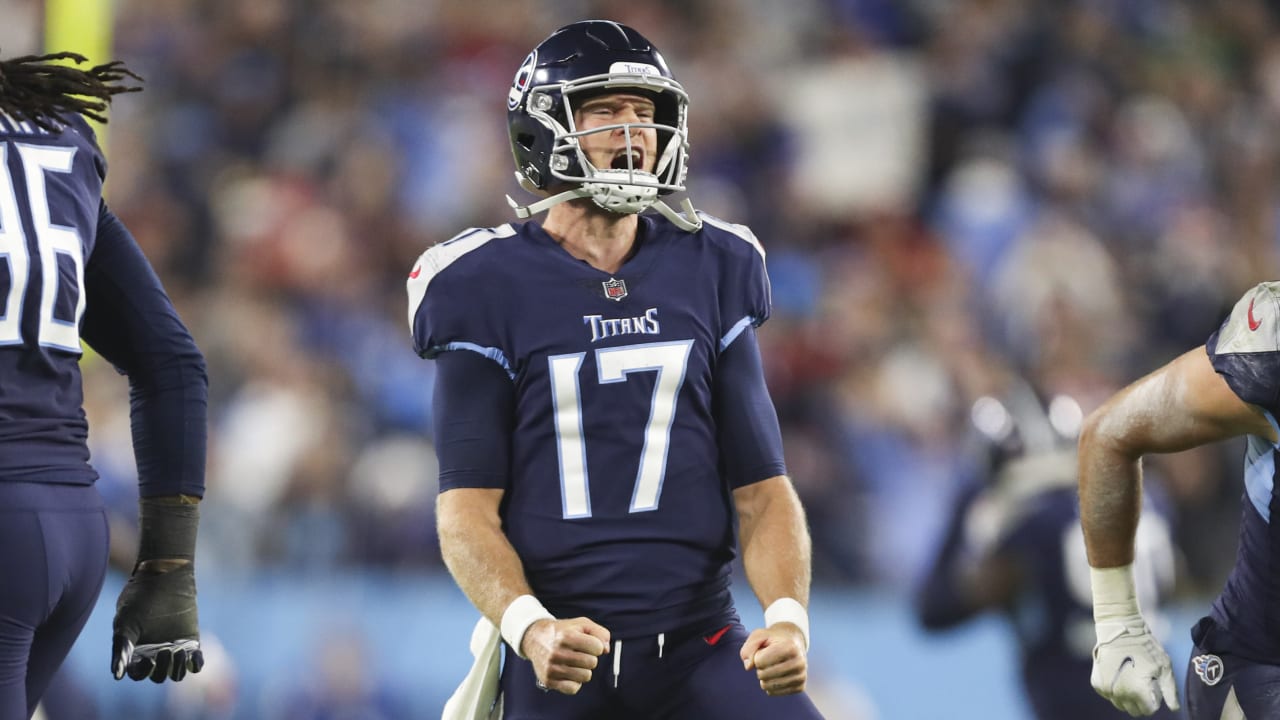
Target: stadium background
x: 1077, y: 189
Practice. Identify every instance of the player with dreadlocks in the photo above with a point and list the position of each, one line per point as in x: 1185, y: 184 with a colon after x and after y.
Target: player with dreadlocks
x: 32, y: 88
x: 75, y: 274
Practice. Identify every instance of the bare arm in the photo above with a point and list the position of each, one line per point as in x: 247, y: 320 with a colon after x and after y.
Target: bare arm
x: 775, y: 552
x: 487, y: 568
x: 477, y: 552
x: 1182, y: 405
x: 775, y: 540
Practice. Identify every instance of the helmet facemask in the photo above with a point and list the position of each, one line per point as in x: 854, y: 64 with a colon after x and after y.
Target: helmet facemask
x: 623, y: 187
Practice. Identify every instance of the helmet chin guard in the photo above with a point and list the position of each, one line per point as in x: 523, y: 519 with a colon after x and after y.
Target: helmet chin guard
x: 617, y: 191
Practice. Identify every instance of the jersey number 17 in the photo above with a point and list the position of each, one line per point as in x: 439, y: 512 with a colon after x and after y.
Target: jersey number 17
x: 669, y: 360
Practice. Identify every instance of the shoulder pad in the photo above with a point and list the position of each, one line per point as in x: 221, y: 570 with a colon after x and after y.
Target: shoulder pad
x: 440, y: 256
x: 742, y: 232
x: 1254, y: 324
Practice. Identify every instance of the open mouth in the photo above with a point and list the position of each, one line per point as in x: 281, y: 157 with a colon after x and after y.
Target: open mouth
x: 624, y: 161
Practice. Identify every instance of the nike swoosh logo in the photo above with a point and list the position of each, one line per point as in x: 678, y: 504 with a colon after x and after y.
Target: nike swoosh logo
x: 1120, y: 670
x: 418, y: 271
x: 1253, y: 323
x: 714, y: 637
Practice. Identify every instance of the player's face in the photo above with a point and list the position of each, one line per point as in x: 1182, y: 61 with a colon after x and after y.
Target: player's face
x: 609, y: 149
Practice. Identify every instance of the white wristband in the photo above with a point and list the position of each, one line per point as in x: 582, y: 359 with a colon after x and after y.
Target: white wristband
x: 516, y: 619
x: 788, y: 610
x: 1115, y: 596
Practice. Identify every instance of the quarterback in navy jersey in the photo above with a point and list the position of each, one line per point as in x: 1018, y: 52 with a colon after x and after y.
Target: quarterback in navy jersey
x: 1013, y: 545
x: 1229, y: 388
x: 73, y: 273
x: 601, y: 418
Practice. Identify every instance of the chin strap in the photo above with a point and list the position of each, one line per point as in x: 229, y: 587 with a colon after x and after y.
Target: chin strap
x: 681, y: 221
x: 689, y: 222
x: 526, y: 211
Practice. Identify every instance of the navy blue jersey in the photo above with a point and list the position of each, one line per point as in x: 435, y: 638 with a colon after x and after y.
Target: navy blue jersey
x: 50, y: 191
x: 615, y: 499
x: 71, y: 272
x: 1245, y: 619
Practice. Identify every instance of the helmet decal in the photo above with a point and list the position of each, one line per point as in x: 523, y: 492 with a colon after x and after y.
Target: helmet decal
x: 631, y: 68
x: 521, y: 82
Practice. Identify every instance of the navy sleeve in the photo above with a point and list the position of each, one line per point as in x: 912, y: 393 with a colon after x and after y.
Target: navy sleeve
x: 746, y: 421
x: 452, y: 305
x: 940, y: 602
x: 473, y: 415
x: 130, y: 321
x: 743, y: 282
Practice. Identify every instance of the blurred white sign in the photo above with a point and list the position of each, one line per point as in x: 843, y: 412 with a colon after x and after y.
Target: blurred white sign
x: 859, y: 127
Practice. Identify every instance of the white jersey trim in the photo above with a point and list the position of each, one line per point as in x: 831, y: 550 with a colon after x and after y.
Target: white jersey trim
x: 744, y: 233
x: 440, y: 256
x: 741, y: 231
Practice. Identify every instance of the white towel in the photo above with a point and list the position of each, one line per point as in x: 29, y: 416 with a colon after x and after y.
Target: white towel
x: 474, y: 697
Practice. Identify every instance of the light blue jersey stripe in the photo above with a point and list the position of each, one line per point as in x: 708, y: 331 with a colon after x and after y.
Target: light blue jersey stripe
x: 1260, y: 471
x: 734, y: 332
x: 493, y: 354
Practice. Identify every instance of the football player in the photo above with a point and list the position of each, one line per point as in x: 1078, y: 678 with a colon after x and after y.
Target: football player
x: 1014, y: 546
x: 1228, y: 388
x: 601, y: 417
x: 74, y: 273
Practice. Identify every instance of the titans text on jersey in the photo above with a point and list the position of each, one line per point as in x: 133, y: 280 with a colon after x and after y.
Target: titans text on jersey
x: 602, y: 327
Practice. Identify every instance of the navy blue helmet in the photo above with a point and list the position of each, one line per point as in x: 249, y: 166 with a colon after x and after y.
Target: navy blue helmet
x: 573, y: 64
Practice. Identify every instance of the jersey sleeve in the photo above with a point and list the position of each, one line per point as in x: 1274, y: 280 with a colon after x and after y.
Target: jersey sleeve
x: 131, y: 322
x: 474, y: 410
x: 940, y: 599
x: 1245, y: 351
x: 750, y: 437
x: 451, y: 307
x: 744, y: 283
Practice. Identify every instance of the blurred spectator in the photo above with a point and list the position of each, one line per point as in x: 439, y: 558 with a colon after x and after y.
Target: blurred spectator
x: 1013, y: 545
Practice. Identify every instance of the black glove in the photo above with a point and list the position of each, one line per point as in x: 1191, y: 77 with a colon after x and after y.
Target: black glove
x: 156, y: 631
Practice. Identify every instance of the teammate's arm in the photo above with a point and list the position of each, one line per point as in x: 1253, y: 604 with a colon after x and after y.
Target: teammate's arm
x: 131, y: 322
x: 473, y: 407
x: 1182, y: 405
x: 964, y: 581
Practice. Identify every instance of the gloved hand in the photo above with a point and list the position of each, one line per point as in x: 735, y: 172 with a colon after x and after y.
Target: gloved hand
x: 1129, y: 667
x: 156, y: 630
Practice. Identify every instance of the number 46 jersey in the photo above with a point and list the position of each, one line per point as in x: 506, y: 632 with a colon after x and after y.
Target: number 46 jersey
x: 614, y: 499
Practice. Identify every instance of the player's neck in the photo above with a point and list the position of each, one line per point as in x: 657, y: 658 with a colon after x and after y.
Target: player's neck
x: 602, y: 239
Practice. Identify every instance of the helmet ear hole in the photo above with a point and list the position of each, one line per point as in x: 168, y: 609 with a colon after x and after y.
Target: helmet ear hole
x: 525, y: 140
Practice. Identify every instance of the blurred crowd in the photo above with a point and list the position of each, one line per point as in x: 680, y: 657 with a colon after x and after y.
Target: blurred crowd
x: 949, y: 191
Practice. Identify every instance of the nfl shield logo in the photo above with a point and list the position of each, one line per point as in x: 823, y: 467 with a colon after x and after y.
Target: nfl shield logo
x: 614, y: 289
